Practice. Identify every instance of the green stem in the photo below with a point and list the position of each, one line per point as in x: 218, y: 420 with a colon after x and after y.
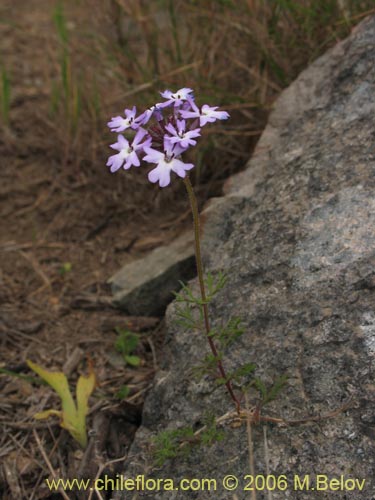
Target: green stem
x: 198, y: 258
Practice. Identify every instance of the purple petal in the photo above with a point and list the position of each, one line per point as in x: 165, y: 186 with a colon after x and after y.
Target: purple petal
x: 132, y: 159
x: 130, y: 113
x: 183, y: 93
x: 181, y: 125
x: 167, y: 94
x: 146, y: 144
x: 162, y: 174
x: 115, y: 162
x: 170, y: 128
x: 178, y: 149
x: 153, y: 156
x: 138, y: 137
x: 121, y: 143
x: 189, y: 114
x: 180, y: 167
x: 165, y: 104
x: 164, y: 177
x: 144, y: 117
x: 204, y: 119
x: 118, y: 124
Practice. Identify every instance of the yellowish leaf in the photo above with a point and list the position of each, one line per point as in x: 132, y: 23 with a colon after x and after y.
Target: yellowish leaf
x: 47, y: 413
x: 73, y: 417
x: 58, y: 382
x: 85, y: 386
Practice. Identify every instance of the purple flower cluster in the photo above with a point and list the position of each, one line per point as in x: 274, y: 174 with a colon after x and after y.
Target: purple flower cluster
x: 161, y: 134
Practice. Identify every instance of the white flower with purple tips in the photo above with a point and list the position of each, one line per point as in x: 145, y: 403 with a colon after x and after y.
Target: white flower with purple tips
x: 176, y: 98
x: 128, y: 153
x: 119, y: 124
x: 179, y: 134
x: 166, y: 163
x: 208, y: 114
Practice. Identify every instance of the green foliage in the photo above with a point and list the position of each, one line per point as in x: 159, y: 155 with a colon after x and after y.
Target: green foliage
x: 187, y: 302
x: 244, y: 371
x: 125, y: 344
x: 179, y: 442
x: 211, y: 433
x: 65, y: 268
x: 60, y: 23
x: 186, y: 295
x: 185, y: 317
x: 68, y: 91
x: 31, y: 380
x: 214, y: 284
x: 228, y: 333
x: 268, y: 394
x: 208, y: 365
x: 175, y: 30
x: 224, y: 336
x: 123, y: 392
x: 167, y: 444
x: 5, y: 96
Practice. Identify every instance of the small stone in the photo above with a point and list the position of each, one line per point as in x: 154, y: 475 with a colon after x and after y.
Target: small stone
x: 145, y: 287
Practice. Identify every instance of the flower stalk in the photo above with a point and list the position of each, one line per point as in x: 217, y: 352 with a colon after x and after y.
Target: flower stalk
x: 177, y: 126
x: 199, y: 263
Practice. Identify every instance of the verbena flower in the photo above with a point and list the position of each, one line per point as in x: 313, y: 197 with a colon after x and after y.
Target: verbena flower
x: 128, y: 154
x: 179, y: 134
x: 148, y: 114
x: 176, y: 98
x: 208, y: 114
x: 166, y: 163
x: 119, y: 124
x: 169, y: 134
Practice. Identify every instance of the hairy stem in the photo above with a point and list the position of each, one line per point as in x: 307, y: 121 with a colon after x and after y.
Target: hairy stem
x: 198, y: 258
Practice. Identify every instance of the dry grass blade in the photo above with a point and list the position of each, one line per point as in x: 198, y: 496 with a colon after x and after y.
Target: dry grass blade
x: 11, y: 477
x: 151, y: 84
x: 100, y: 470
x: 250, y: 444
x: 267, y: 459
x: 38, y: 270
x: 48, y: 463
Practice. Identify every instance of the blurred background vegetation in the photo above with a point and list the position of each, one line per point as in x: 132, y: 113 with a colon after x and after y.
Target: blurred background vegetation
x: 95, y: 58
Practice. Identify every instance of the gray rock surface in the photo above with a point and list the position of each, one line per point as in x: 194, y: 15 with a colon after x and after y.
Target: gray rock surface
x: 295, y: 234
x: 145, y: 287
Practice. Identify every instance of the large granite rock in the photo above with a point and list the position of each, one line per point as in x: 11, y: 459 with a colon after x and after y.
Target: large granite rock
x: 296, y: 235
